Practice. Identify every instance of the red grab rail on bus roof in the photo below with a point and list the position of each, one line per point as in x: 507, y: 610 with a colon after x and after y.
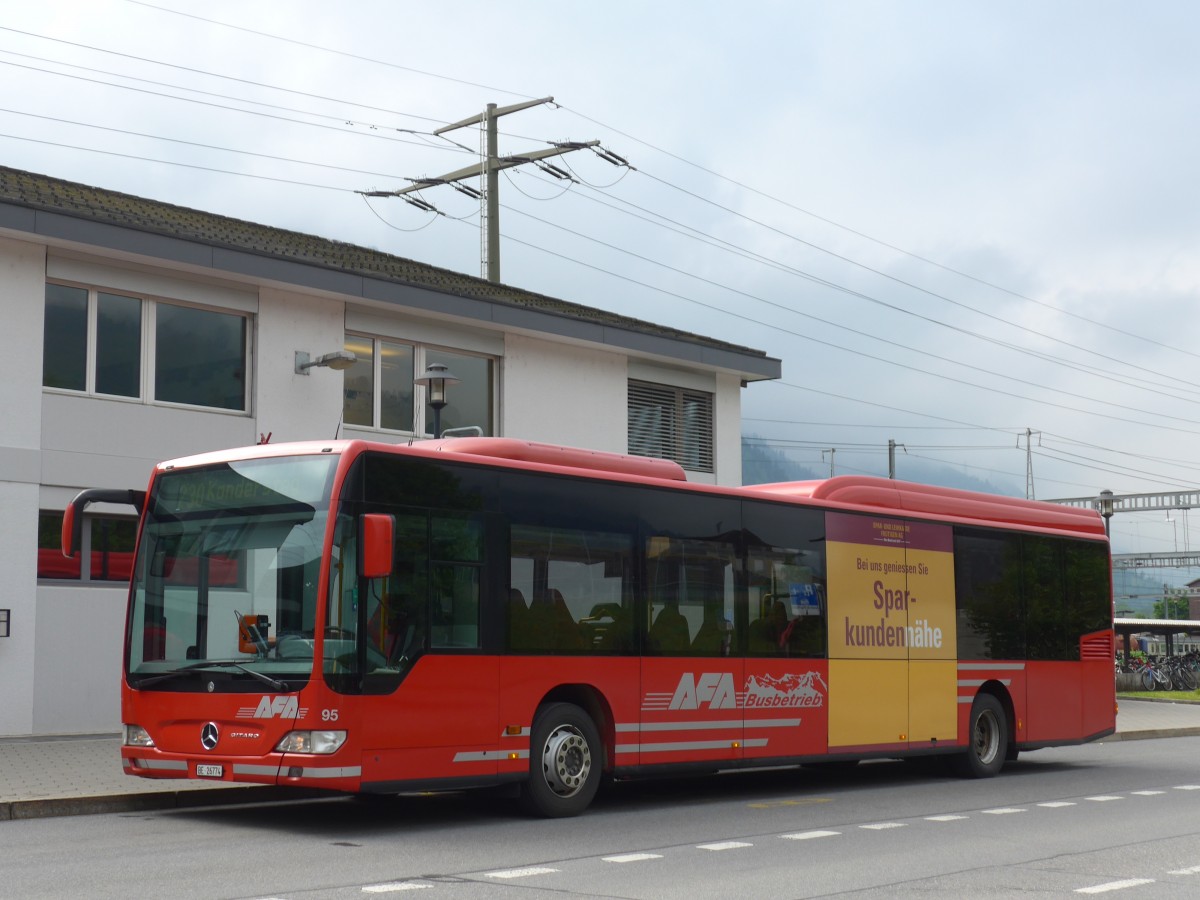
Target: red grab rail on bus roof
x: 908, y: 497
x: 553, y: 455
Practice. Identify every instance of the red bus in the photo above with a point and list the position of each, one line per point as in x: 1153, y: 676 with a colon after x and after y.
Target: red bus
x: 477, y: 611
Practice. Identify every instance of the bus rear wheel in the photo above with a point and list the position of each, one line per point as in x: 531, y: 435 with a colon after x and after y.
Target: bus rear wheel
x: 987, y: 740
x: 565, y: 761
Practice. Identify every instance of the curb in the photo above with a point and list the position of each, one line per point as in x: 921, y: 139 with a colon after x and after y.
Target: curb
x: 1126, y: 697
x: 1149, y: 734
x: 154, y: 800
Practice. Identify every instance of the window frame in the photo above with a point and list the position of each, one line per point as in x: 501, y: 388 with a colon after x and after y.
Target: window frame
x: 672, y: 437
x: 421, y: 352
x: 148, y: 349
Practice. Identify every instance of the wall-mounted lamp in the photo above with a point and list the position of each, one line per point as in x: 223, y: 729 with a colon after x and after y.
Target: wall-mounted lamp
x: 435, y: 380
x: 338, y: 360
x: 5, y: 616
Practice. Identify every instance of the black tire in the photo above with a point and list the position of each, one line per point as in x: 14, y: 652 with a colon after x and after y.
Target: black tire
x: 1147, y: 680
x: 987, y: 740
x: 565, y: 762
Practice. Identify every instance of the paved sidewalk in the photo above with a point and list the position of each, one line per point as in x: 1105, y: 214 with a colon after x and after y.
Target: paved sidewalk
x: 78, y: 775
x: 81, y: 774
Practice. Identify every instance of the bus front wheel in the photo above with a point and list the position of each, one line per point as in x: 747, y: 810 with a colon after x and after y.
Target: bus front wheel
x: 987, y: 739
x: 565, y: 759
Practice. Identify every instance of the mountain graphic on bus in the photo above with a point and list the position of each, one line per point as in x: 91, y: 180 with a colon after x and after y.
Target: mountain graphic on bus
x: 807, y: 690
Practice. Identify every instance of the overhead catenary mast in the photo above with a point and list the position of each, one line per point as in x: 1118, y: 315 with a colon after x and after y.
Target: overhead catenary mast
x: 489, y: 167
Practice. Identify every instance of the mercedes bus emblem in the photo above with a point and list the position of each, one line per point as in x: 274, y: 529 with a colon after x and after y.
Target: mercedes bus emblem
x: 209, y: 735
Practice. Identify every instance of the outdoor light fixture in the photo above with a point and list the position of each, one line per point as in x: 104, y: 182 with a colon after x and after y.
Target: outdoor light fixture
x: 435, y: 380
x: 1105, y: 505
x: 338, y: 360
x: 5, y: 615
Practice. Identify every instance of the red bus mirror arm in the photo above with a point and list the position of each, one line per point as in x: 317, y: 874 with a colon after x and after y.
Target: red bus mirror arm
x: 72, y: 526
x: 376, y: 545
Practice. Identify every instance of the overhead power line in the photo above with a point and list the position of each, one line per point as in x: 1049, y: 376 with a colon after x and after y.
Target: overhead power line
x: 875, y: 240
x: 718, y: 175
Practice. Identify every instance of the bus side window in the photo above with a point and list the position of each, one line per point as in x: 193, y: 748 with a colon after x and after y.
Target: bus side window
x: 519, y: 627
x: 579, y: 588
x: 456, y: 607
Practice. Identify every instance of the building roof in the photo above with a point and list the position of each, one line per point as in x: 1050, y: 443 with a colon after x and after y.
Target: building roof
x: 1156, y: 626
x: 80, y: 214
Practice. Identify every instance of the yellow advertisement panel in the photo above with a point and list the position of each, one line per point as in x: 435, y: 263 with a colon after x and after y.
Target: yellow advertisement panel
x: 932, y: 623
x: 892, y: 631
x: 891, y: 589
x: 933, y: 701
x: 868, y: 703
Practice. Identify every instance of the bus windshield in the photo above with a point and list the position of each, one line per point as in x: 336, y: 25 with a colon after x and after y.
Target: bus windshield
x: 225, y: 583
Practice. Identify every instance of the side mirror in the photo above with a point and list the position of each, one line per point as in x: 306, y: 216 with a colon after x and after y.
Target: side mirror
x: 376, y: 536
x: 72, y: 527
x: 70, y: 533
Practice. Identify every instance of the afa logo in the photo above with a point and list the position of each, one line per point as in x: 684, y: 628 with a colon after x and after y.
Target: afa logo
x: 714, y: 690
x: 285, y: 706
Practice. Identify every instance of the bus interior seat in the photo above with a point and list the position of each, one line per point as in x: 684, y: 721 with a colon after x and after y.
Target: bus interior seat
x: 566, y: 630
x: 670, y: 632
x: 764, y: 633
x: 710, y: 639
x: 520, y: 621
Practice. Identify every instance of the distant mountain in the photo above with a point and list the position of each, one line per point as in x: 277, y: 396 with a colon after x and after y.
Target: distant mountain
x: 763, y: 464
x: 1136, y: 592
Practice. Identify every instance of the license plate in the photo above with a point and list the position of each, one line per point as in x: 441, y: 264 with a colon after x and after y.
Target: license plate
x: 210, y: 771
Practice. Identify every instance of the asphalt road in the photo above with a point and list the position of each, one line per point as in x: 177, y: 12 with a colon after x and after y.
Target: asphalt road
x: 1120, y: 818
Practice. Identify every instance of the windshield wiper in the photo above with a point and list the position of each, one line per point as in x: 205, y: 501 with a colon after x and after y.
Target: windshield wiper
x: 216, y: 663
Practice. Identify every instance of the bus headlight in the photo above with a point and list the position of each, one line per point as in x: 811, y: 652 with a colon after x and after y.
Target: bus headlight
x: 135, y: 736
x: 321, y: 742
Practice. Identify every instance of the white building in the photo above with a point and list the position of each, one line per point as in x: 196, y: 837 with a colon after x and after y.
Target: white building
x: 135, y: 331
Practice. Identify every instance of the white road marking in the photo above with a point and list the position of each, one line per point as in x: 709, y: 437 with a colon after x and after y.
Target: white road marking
x: 394, y: 887
x: 522, y: 873
x: 1114, y: 886
x: 808, y: 835
x: 631, y: 857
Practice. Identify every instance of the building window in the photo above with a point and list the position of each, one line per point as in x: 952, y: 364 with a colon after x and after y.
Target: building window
x: 380, y: 388
x: 106, y: 553
x: 671, y: 423
x: 94, y: 343
x: 64, y: 357
x: 200, y: 357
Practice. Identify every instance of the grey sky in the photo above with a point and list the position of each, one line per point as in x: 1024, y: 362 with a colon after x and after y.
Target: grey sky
x: 1045, y: 150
